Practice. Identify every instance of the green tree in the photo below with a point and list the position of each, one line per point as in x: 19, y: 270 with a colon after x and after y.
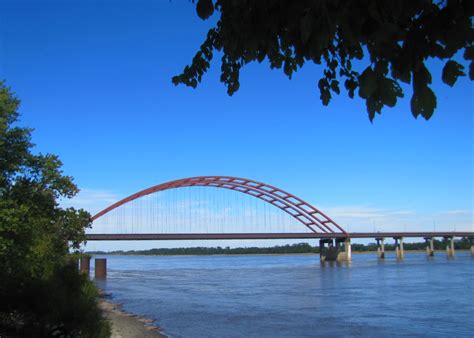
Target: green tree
x: 41, y: 292
x: 368, y: 46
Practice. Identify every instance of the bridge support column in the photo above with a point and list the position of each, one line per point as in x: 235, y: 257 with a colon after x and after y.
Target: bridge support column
x: 471, y: 241
x: 380, y: 248
x: 346, y: 255
x: 399, y: 247
x: 449, y: 246
x: 328, y: 254
x: 429, y: 246
x: 85, y: 265
x: 100, y: 268
x: 323, y: 250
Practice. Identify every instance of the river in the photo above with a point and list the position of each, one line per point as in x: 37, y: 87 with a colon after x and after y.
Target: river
x: 295, y: 296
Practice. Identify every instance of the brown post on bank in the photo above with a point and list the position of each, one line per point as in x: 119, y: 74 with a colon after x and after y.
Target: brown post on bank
x: 100, y: 268
x: 85, y: 265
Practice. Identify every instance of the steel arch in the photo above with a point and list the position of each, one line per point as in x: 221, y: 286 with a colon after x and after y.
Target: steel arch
x: 305, y: 213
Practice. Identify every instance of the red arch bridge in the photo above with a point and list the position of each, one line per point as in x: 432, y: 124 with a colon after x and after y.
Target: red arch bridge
x: 188, y: 209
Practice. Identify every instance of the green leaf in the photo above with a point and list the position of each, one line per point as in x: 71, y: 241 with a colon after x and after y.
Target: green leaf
x: 324, y: 90
x: 451, y: 71
x: 335, y: 86
x: 373, y: 106
x: 401, y: 73
x: 421, y: 77
x: 204, y: 9
x: 469, y: 53
x: 423, y: 102
x: 350, y: 85
x: 367, y: 83
x: 389, y: 92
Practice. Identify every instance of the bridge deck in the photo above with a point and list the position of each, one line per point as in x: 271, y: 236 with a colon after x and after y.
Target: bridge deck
x: 302, y: 235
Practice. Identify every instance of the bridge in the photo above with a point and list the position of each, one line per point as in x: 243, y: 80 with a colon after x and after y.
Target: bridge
x: 190, y: 209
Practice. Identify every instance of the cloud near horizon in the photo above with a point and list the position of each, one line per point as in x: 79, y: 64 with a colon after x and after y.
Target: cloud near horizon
x: 92, y: 200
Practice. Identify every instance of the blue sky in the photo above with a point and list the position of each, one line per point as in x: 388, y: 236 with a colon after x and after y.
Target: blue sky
x: 94, y: 78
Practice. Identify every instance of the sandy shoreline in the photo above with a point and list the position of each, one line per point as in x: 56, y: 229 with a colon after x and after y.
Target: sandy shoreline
x: 126, y: 325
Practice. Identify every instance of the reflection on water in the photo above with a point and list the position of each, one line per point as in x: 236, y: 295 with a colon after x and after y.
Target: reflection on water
x: 294, y: 296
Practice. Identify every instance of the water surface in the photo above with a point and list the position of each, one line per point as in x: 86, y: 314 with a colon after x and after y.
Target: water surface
x: 294, y: 296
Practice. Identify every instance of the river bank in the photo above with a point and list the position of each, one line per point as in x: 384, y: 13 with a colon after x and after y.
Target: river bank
x: 127, y: 325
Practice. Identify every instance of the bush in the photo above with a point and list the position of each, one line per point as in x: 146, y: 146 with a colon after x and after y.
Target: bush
x: 63, y: 305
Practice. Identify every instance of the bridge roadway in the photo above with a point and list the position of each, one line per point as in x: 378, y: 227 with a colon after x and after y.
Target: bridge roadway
x: 300, y: 235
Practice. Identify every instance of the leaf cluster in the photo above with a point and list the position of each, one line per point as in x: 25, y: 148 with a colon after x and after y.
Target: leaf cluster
x: 392, y: 40
x: 36, y: 234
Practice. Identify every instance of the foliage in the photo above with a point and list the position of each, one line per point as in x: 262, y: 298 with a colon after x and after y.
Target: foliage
x: 299, y: 248
x: 40, y: 291
x: 368, y: 46
x: 295, y: 248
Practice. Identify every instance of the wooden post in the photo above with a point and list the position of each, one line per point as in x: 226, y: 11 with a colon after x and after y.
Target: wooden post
x: 85, y: 265
x: 100, y: 268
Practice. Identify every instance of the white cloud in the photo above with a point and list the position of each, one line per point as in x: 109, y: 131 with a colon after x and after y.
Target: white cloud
x: 456, y: 212
x: 361, y: 218
x: 92, y: 200
x: 353, y: 212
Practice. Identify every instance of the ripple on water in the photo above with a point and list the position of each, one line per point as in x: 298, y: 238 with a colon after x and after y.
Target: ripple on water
x: 293, y: 296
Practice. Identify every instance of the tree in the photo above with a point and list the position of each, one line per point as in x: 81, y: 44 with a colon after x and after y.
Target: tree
x: 368, y: 46
x: 41, y: 291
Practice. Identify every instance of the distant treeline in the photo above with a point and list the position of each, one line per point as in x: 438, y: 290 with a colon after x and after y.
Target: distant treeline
x: 299, y: 248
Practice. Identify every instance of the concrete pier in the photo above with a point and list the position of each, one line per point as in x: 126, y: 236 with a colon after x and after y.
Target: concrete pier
x: 338, y: 250
x: 429, y: 246
x: 380, y: 248
x: 471, y: 240
x: 323, y: 250
x: 85, y: 265
x: 344, y: 255
x: 449, y: 246
x: 100, y: 268
x: 329, y: 253
x: 399, y: 247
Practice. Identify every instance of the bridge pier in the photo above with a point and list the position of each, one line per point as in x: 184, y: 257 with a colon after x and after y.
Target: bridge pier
x: 346, y: 254
x: 380, y: 248
x: 85, y: 265
x: 100, y: 268
x: 429, y: 246
x: 471, y: 241
x: 449, y: 246
x: 329, y: 253
x: 323, y: 250
x: 333, y: 251
x: 399, y: 247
